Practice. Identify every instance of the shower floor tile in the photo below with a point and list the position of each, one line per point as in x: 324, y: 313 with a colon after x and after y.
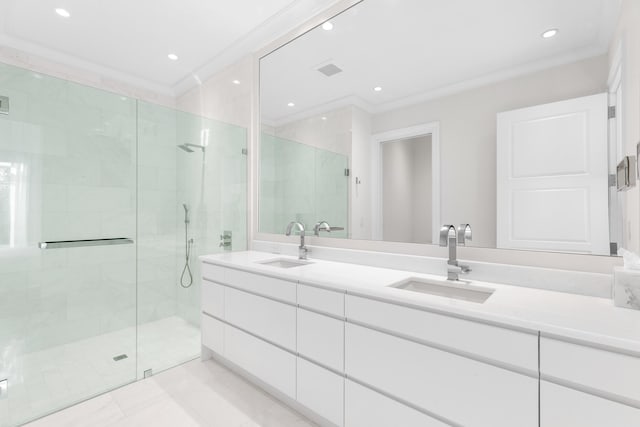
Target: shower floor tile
x: 193, y: 394
x: 55, y: 377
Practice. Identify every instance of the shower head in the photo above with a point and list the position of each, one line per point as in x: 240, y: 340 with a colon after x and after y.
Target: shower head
x: 189, y: 147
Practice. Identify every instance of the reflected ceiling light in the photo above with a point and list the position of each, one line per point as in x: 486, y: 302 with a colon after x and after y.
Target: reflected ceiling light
x: 236, y: 82
x: 327, y: 26
x: 172, y: 56
x: 63, y: 12
x: 549, y: 33
x: 324, y: 118
x: 377, y: 88
x: 291, y: 104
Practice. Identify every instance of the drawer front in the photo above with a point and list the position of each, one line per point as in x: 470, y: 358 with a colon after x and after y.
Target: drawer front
x: 321, y: 300
x: 367, y: 408
x: 321, y: 339
x: 213, y: 299
x: 600, y: 369
x: 439, y: 382
x: 268, y: 363
x: 213, y: 273
x: 263, y: 285
x: 321, y: 391
x: 564, y: 407
x: 212, y: 331
x: 502, y: 345
x: 271, y: 320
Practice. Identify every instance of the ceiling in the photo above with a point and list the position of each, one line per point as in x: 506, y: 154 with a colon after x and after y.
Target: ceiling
x: 130, y: 40
x: 421, y: 49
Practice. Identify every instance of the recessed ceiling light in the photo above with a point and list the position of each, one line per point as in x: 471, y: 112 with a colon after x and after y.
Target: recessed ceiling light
x: 172, y: 56
x: 324, y: 118
x: 291, y: 104
x: 377, y: 88
x: 550, y: 33
x: 327, y: 26
x: 63, y: 12
x: 236, y: 82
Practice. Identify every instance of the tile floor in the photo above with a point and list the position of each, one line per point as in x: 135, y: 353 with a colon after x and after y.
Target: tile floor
x: 43, y: 381
x: 190, y: 395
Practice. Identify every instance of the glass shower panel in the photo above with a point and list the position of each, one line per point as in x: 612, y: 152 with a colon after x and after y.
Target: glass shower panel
x: 67, y: 173
x: 192, y: 188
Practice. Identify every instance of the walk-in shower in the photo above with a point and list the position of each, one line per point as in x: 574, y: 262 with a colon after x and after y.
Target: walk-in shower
x: 79, y: 319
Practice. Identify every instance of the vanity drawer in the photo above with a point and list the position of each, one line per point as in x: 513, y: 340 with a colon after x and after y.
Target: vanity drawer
x: 562, y: 407
x: 465, y: 391
x: 213, y: 299
x: 263, y: 285
x: 270, y: 364
x: 212, y: 331
x: 321, y: 391
x: 321, y: 339
x: 213, y: 273
x: 506, y: 346
x: 274, y: 321
x: 603, y: 370
x: 321, y: 300
x: 367, y: 408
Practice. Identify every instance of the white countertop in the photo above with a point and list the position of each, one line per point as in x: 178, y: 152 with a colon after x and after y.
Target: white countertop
x: 574, y: 317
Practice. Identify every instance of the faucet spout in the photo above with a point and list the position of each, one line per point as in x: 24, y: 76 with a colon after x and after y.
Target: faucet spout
x: 451, y: 237
x: 302, y: 249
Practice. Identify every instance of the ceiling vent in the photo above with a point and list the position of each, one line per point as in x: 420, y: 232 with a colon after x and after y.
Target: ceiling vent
x: 330, y: 70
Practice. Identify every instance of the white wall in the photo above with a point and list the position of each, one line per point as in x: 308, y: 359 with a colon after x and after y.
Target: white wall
x: 468, y: 135
x: 628, y: 31
x: 406, y: 192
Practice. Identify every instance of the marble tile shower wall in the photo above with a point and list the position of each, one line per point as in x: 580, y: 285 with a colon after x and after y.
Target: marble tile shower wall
x: 69, y: 158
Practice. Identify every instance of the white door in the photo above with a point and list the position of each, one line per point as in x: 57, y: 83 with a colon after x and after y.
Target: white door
x: 552, y: 178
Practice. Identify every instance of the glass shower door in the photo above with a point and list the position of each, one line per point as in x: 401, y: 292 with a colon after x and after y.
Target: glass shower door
x: 67, y: 306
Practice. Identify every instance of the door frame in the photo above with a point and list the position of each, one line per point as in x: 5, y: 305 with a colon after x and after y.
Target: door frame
x: 431, y: 128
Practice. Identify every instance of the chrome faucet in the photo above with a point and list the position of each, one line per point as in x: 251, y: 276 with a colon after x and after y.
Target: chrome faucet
x: 321, y: 226
x: 302, y: 249
x: 451, y: 237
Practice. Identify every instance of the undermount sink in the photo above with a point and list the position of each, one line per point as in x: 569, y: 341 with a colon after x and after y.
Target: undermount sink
x: 284, y: 263
x: 456, y: 290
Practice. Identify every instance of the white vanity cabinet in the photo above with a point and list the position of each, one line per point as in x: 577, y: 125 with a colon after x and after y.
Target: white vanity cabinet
x: 588, y: 386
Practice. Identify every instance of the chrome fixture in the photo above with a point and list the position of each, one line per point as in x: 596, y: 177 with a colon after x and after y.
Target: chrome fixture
x: 302, y: 249
x: 188, y: 147
x: 321, y: 226
x: 60, y: 244
x: 4, y: 105
x: 451, y: 237
x: 4, y: 389
x: 186, y: 278
x: 225, y: 240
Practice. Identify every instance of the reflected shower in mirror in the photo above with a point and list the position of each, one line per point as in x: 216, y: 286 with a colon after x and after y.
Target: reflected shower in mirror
x: 442, y: 119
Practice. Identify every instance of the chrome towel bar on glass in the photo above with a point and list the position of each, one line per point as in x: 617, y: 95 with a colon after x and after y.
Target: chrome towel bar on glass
x: 80, y: 243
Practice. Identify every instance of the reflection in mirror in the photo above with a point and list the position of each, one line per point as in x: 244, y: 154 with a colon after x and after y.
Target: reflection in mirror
x: 527, y: 142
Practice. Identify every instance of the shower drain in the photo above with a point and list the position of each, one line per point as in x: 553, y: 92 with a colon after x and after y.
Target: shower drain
x: 120, y: 357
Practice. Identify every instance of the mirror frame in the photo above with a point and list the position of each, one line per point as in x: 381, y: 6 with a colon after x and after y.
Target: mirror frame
x: 554, y: 260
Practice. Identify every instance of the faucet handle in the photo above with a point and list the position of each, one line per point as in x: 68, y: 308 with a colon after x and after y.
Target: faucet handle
x: 464, y: 234
x: 445, y: 233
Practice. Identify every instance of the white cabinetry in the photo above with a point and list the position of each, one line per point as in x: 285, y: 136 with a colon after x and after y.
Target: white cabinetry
x: 456, y: 388
x: 321, y: 339
x: 563, y: 407
x: 587, y: 386
x: 367, y: 408
x: 321, y: 390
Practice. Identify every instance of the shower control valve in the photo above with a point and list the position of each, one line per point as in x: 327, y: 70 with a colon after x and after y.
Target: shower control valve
x: 225, y: 240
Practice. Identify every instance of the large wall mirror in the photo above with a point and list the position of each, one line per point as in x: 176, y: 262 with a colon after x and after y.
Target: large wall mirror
x: 395, y: 117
